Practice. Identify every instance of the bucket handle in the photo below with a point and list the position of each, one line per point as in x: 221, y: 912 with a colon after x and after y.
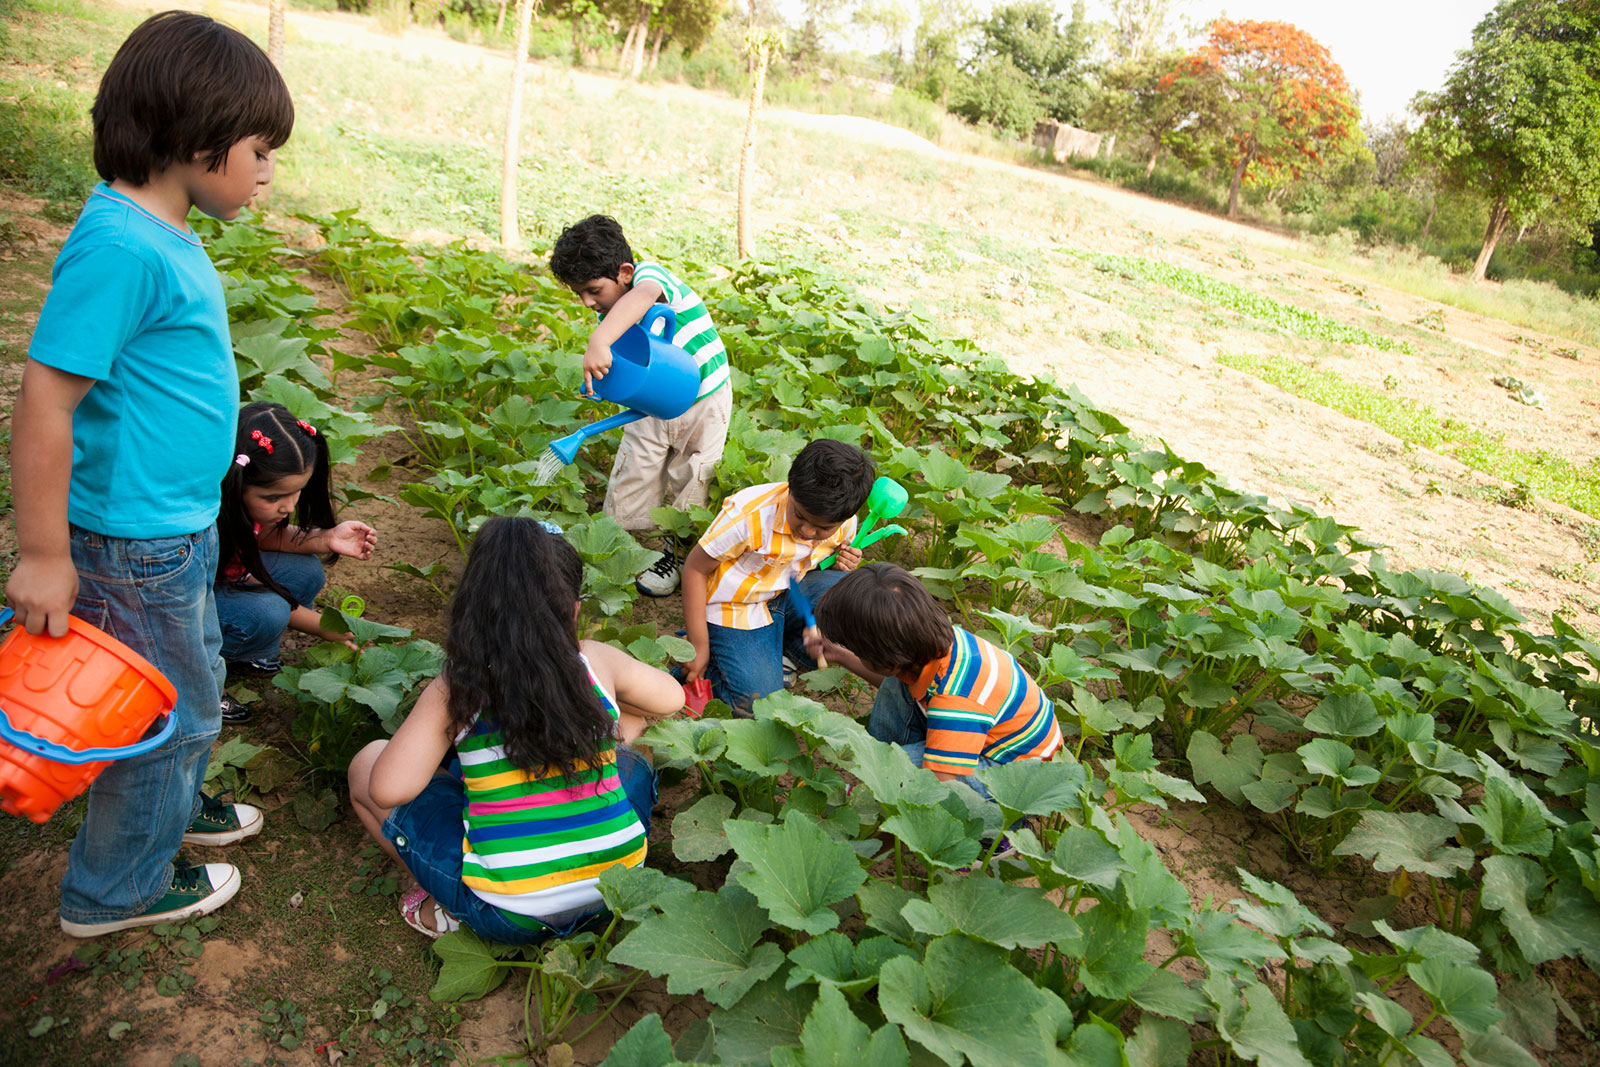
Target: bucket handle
x: 62, y: 754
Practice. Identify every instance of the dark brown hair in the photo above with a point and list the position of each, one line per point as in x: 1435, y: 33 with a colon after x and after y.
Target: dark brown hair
x: 831, y: 479
x: 885, y: 616
x: 184, y: 86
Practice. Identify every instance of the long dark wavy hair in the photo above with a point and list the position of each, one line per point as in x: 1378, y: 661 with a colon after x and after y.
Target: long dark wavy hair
x: 274, y: 445
x: 512, y: 650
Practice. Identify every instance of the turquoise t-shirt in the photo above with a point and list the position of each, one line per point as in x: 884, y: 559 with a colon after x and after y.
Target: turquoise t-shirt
x: 135, y: 304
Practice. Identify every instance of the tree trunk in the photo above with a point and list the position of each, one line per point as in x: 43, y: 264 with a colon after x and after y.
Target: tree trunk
x: 500, y: 19
x: 747, y: 155
x: 1111, y: 145
x: 1428, y: 225
x: 627, y: 47
x: 510, y: 235
x: 275, y: 32
x: 1238, y: 180
x: 640, y: 40
x: 577, y: 42
x: 1499, y: 215
x: 1150, y: 167
x: 655, y: 49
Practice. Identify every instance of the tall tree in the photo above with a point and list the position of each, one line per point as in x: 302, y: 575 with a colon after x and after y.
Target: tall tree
x: 1136, y: 30
x: 1518, y: 119
x: 762, y: 43
x: 1281, y: 100
x: 510, y: 234
x: 275, y: 32
x: 1050, y: 52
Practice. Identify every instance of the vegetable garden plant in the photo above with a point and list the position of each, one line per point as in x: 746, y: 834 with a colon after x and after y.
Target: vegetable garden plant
x: 1211, y: 644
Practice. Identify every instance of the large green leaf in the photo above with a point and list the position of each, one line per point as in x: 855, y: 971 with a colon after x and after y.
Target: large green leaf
x: 698, y: 831
x: 682, y: 742
x: 820, y: 726
x: 1345, y: 715
x: 770, y: 1016
x: 1511, y: 885
x: 708, y: 945
x: 989, y: 910
x: 646, y: 1044
x: 761, y: 747
x: 1407, y: 840
x: 1229, y: 772
x: 1113, y: 949
x: 881, y: 903
x: 887, y: 773
x: 1159, y: 1043
x: 1280, y: 913
x: 1094, y: 1043
x: 1495, y: 1049
x: 1035, y: 787
x: 1255, y: 1026
x: 1466, y: 995
x: 935, y: 835
x: 834, y: 1037
x: 834, y: 960
x: 799, y: 871
x: 1166, y: 993
x: 1512, y: 817
x: 965, y: 999
x: 1228, y: 946
x: 635, y: 893
x: 468, y: 968
x: 1084, y: 855
x: 1335, y: 759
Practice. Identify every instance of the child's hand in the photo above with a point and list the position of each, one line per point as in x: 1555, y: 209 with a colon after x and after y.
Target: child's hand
x: 354, y: 539
x: 695, y: 669
x: 816, y: 647
x: 849, y: 558
x: 42, y: 594
x: 596, y: 364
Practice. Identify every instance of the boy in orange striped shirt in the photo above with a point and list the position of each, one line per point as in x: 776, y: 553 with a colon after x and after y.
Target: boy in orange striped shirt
x: 736, y: 608
x: 952, y: 700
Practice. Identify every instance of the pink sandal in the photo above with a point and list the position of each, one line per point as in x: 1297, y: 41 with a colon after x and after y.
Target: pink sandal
x: 411, y: 912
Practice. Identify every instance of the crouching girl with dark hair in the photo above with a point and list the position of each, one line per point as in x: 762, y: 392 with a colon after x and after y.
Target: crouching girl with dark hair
x: 549, y: 795
x: 276, y: 519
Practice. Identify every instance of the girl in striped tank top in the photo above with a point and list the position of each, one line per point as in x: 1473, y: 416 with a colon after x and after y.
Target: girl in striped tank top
x: 549, y: 795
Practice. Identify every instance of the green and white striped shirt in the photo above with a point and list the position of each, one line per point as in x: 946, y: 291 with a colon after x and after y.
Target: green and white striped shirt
x: 695, y: 334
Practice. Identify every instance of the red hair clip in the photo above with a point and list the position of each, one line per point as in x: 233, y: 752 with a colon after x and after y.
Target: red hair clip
x: 306, y: 426
x: 263, y: 440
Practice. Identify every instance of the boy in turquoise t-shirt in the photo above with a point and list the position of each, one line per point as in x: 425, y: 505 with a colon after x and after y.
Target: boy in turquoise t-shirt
x: 120, y: 435
x: 657, y: 459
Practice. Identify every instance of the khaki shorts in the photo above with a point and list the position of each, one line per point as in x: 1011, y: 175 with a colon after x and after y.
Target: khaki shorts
x: 668, y: 461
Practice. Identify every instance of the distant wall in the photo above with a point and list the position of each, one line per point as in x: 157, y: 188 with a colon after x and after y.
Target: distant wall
x: 1065, y: 142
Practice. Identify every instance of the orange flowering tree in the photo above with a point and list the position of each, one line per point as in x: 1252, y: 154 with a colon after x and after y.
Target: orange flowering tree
x: 1275, y: 100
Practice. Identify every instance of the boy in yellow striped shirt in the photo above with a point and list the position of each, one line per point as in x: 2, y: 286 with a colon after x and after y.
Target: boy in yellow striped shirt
x: 736, y: 607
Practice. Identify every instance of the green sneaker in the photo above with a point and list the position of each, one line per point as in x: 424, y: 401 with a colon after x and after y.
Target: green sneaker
x: 194, y: 891
x: 223, y: 824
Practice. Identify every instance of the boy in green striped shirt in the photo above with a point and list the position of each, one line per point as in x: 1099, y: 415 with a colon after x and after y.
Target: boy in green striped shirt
x: 658, y: 459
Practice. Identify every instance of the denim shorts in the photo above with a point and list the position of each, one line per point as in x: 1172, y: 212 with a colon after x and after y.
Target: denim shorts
x: 427, y: 833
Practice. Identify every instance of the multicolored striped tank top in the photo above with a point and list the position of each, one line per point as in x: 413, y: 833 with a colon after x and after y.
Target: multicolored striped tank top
x: 535, y: 842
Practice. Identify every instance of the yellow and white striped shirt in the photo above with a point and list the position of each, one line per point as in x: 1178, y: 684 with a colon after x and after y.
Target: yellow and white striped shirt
x: 755, y: 550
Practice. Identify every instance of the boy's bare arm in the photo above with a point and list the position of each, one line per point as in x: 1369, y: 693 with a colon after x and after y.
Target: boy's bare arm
x: 697, y: 570
x: 44, y: 585
x: 624, y: 313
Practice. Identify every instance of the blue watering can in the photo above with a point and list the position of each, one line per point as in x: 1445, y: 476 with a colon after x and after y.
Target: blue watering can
x: 650, y: 376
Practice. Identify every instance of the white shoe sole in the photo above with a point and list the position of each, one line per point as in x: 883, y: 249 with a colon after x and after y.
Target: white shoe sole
x: 225, y: 883
x: 250, y: 823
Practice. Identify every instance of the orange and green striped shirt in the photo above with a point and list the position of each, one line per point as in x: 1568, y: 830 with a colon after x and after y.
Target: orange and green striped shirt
x: 980, y: 702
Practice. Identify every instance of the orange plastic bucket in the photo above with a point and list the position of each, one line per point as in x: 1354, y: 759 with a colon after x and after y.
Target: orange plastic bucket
x: 68, y: 707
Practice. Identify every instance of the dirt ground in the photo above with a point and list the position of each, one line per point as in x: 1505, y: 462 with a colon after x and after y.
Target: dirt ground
x: 1429, y: 509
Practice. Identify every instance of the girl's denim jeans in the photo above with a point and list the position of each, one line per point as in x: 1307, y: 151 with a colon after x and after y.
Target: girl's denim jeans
x: 155, y: 597
x: 253, y: 619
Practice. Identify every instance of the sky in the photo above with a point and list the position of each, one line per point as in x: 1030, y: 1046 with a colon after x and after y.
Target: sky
x: 1389, y: 49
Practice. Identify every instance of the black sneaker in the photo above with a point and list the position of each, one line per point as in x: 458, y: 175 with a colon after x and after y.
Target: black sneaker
x: 194, y: 891
x: 662, y: 577
x: 233, y: 711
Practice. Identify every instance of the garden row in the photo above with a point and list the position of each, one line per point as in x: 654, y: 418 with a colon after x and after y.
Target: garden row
x: 1210, y: 639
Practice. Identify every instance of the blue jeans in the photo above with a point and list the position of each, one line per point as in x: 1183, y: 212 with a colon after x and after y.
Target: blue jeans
x: 155, y: 597
x: 427, y: 834
x: 898, y: 719
x: 748, y: 664
x: 253, y: 617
